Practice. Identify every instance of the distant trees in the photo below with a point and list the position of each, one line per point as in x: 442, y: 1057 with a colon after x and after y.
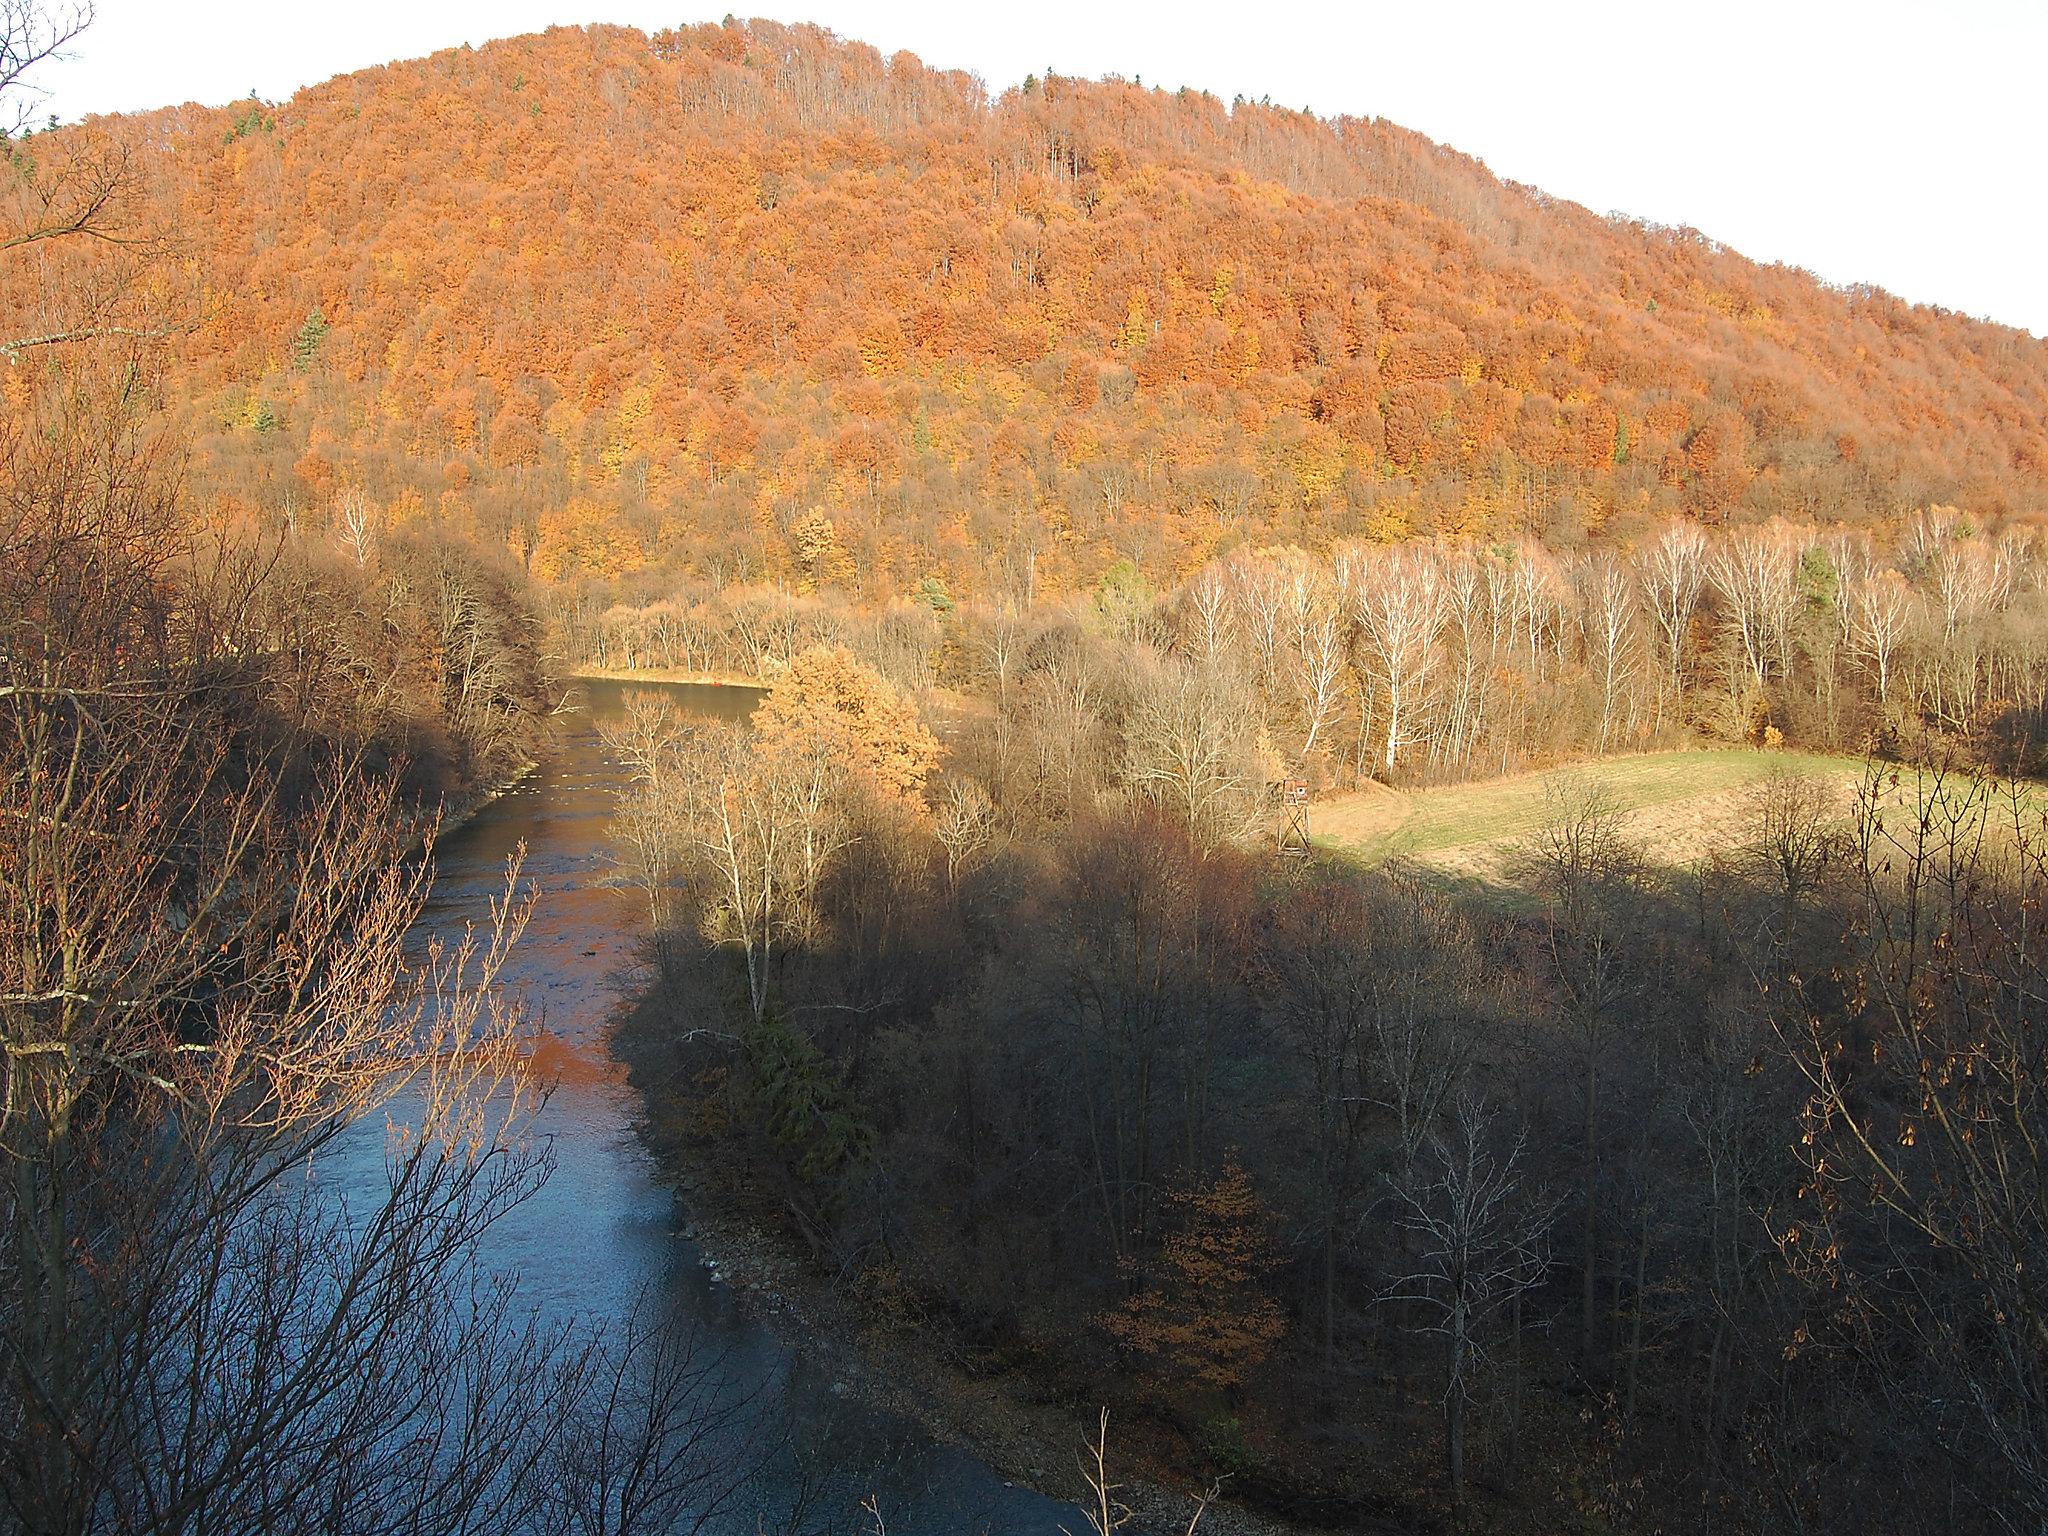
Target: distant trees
x: 1419, y: 661
x: 740, y: 363
x: 759, y: 817
x: 1056, y: 1052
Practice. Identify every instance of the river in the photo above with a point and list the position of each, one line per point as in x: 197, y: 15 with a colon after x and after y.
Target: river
x: 603, y: 1230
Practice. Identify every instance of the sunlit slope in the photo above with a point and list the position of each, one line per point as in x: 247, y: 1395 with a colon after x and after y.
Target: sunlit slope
x: 634, y: 307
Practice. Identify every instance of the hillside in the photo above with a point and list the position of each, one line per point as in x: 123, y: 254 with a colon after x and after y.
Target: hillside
x: 635, y: 305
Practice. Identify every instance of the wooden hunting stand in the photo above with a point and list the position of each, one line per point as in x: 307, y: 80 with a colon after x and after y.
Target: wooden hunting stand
x: 1294, y: 826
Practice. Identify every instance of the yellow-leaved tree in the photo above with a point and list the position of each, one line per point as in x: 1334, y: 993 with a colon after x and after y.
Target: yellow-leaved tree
x: 828, y: 701
x: 762, y: 813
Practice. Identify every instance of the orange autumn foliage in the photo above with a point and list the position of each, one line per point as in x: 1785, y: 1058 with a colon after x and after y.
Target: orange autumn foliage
x: 1207, y: 1318
x: 698, y: 283
x: 827, y: 700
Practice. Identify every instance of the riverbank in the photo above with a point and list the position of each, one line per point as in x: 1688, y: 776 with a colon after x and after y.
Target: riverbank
x: 453, y: 814
x: 1005, y: 1420
x: 667, y: 675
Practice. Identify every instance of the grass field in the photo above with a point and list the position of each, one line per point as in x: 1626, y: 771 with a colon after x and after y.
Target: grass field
x: 1677, y: 806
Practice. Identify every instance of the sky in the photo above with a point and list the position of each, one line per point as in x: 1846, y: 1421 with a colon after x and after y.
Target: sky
x: 1896, y: 142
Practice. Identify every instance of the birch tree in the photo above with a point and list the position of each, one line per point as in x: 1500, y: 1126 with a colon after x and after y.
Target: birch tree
x: 1321, y: 649
x: 1607, y: 619
x: 1881, y: 616
x: 1754, y: 572
x: 1673, y: 570
x: 1399, y: 602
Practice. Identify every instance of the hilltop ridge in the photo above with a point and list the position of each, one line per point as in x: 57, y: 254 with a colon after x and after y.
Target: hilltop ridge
x: 635, y: 305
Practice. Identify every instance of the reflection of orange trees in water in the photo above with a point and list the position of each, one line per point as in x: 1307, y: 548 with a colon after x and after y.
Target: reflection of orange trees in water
x: 1207, y: 1319
x: 549, y: 1061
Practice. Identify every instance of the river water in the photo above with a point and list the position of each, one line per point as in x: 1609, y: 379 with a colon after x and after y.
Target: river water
x: 603, y: 1231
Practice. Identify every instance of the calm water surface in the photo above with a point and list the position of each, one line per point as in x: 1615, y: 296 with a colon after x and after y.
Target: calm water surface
x: 602, y: 1231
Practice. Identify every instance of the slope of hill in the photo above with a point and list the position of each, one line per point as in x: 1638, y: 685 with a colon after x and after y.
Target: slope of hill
x: 639, y: 305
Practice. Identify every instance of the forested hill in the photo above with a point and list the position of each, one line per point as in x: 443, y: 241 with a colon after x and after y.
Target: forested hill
x: 639, y: 304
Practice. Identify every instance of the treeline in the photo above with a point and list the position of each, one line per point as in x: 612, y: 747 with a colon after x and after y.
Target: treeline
x: 1697, y: 1200
x: 415, y: 659
x: 1419, y: 662
x: 423, y: 655
x: 635, y: 306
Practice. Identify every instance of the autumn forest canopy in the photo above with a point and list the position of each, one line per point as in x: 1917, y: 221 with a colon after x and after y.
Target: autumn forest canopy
x: 1386, y: 828
x: 631, y: 307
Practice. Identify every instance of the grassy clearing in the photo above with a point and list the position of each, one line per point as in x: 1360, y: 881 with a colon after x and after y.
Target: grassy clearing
x: 1678, y: 806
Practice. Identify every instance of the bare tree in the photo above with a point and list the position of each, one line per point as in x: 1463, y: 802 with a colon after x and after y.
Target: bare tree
x: 1588, y: 870
x: 1400, y: 608
x: 766, y: 828
x: 1607, y: 619
x: 1754, y: 573
x: 1920, y: 1219
x: 355, y: 526
x: 1208, y: 618
x: 1105, y: 1513
x: 1673, y: 569
x: 76, y: 214
x: 650, y: 742
x: 1187, y: 747
x: 1881, y: 618
x: 204, y: 992
x: 965, y: 826
x: 1795, y: 837
x: 1474, y: 596
x: 1066, y: 715
x: 1320, y: 643
x: 1483, y: 1244
x: 1002, y: 637
x: 1258, y: 590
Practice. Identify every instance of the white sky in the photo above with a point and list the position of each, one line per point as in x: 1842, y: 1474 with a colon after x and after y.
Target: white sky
x: 1900, y: 142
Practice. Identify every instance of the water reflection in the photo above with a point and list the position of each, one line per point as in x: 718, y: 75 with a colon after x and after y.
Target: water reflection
x: 602, y: 1232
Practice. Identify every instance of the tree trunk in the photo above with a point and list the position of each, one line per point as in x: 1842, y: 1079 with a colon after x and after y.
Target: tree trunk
x: 1635, y: 1339
x: 1587, y: 1301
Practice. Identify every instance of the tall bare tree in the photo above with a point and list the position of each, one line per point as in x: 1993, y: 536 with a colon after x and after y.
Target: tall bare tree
x: 1399, y: 602
x: 1754, y: 572
x: 1673, y: 569
x: 1482, y: 1235
x: 1607, y: 620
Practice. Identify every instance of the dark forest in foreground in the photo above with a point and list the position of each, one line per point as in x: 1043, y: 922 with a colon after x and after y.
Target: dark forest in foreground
x: 1636, y: 1194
